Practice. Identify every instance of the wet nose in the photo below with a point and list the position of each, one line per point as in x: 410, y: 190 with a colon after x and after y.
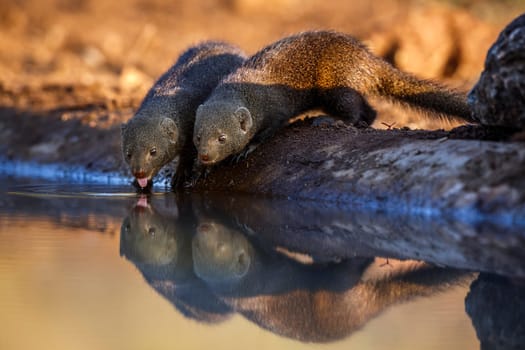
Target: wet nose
x: 140, y: 173
x: 204, y: 157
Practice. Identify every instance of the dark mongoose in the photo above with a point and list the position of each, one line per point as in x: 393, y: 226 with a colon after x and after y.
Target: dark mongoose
x: 318, y: 69
x: 162, y: 128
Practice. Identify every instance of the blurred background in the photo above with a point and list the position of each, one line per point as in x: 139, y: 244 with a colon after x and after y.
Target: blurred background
x: 113, y: 51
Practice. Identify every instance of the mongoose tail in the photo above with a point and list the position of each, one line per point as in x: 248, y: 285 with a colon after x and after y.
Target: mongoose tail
x: 426, y: 96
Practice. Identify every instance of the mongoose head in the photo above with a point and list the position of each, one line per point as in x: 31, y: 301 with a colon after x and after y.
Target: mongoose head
x: 221, y: 129
x: 220, y: 253
x: 148, y: 143
x: 148, y: 237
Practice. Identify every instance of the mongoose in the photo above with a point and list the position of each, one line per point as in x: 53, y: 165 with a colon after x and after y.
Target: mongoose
x: 317, y: 69
x: 162, y: 127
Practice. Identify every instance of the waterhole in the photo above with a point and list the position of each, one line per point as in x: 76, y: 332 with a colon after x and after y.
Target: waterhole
x: 94, y: 265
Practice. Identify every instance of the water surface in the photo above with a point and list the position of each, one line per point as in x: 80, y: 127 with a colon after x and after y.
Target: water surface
x: 98, y: 267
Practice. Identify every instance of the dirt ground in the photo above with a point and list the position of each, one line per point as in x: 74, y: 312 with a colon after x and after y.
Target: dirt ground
x: 72, y: 70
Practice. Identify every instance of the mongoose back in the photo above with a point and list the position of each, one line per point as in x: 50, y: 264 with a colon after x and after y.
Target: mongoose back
x: 319, y: 69
x: 162, y: 127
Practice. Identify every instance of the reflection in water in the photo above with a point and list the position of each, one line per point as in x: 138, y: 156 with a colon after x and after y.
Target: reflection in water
x: 496, y: 306
x: 158, y: 242
x: 198, y: 257
x: 74, y: 206
x: 300, y: 269
x: 328, y: 233
x: 306, y: 302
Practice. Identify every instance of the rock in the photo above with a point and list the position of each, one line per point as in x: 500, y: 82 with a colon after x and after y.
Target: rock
x: 496, y: 307
x: 498, y: 98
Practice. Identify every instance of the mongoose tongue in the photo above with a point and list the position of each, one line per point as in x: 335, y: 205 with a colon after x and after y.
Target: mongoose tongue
x: 142, y: 202
x: 143, y: 182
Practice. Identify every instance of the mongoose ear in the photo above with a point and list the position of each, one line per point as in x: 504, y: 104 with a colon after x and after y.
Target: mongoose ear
x: 245, y: 118
x: 168, y: 126
x: 242, y: 263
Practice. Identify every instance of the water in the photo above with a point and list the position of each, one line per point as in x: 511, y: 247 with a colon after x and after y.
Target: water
x: 98, y: 267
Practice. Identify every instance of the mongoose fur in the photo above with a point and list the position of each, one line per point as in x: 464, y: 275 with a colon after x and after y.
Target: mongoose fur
x: 162, y: 127
x: 317, y: 69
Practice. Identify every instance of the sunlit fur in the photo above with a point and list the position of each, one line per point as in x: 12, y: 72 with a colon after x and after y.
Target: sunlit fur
x: 314, y: 70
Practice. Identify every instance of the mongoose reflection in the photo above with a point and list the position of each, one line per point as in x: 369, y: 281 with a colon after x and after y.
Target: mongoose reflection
x: 210, y: 266
x: 317, y: 69
x: 311, y: 303
x: 156, y: 238
x: 162, y: 128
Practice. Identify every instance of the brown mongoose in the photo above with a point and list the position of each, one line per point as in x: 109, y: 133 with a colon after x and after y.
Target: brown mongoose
x: 317, y: 69
x: 162, y: 127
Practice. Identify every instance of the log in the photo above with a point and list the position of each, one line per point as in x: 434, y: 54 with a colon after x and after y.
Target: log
x: 425, y: 172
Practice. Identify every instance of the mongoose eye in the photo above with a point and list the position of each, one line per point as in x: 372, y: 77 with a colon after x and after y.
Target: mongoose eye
x: 222, y: 138
x: 153, y: 151
x: 151, y: 231
x: 128, y: 155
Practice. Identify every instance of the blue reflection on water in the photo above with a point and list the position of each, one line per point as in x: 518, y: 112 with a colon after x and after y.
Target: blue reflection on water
x: 59, y: 173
